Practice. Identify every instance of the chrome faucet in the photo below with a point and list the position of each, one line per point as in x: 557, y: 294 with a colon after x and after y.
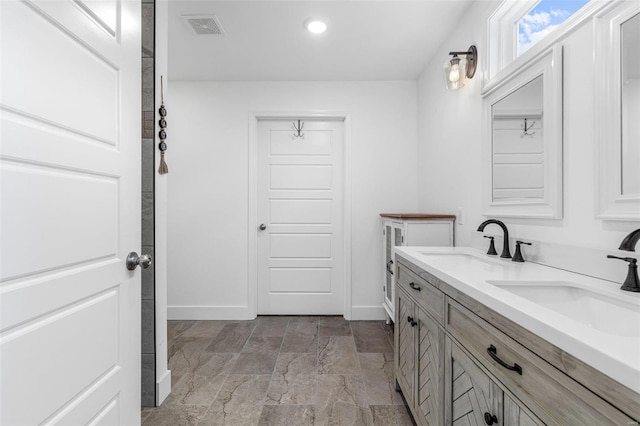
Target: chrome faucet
x: 505, y: 242
x: 632, y: 282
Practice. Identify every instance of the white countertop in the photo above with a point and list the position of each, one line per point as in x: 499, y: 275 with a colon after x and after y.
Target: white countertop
x: 615, y: 355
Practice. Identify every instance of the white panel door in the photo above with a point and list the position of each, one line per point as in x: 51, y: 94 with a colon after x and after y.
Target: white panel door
x: 70, y: 212
x: 300, y: 202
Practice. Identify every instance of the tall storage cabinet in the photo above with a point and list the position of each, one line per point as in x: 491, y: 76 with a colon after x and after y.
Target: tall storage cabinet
x: 410, y: 229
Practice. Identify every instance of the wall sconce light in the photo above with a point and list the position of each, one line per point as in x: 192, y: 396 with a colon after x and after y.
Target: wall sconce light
x: 456, y: 70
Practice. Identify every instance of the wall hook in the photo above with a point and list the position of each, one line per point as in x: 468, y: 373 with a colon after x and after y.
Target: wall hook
x: 527, y: 127
x: 298, y: 129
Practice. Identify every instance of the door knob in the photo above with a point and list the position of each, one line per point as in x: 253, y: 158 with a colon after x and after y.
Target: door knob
x: 262, y: 227
x: 133, y: 260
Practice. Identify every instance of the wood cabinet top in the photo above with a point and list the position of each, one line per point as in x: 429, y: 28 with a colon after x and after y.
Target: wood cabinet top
x: 416, y: 216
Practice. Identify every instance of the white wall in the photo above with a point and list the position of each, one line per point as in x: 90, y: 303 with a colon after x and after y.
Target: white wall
x: 449, y: 145
x: 163, y: 375
x: 208, y: 189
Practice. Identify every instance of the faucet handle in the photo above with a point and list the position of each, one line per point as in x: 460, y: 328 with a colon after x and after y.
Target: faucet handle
x: 492, y: 247
x: 517, y: 257
x: 626, y: 259
x: 631, y: 283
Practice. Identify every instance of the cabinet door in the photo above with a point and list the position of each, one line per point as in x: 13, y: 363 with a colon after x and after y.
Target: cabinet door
x: 392, y: 236
x: 514, y: 415
x: 470, y: 394
x: 405, y: 352
x: 388, y: 262
x: 430, y: 368
x: 398, y: 234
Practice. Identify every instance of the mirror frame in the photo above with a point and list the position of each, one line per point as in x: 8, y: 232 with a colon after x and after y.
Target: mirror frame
x: 610, y: 203
x: 547, y: 64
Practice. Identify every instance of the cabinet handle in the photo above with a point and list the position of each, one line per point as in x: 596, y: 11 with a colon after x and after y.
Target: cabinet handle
x: 493, y: 353
x: 389, y: 263
x: 490, y: 419
x: 414, y: 286
x: 411, y: 321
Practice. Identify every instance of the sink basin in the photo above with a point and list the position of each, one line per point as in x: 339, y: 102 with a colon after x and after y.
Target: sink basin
x: 609, y: 313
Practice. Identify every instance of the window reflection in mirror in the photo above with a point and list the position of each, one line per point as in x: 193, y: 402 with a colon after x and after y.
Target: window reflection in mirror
x: 518, y: 144
x: 630, y: 76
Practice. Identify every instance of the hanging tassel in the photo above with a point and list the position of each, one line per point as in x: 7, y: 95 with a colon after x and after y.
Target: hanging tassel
x: 163, y: 165
x: 162, y: 146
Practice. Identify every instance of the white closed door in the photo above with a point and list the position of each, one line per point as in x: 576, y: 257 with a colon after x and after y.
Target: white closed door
x: 70, y: 212
x: 300, y: 207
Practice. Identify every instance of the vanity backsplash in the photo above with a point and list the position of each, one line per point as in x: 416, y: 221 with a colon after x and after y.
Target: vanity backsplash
x: 582, y: 260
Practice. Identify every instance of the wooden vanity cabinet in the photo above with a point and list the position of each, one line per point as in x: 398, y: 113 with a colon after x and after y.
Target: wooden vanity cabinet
x: 556, y: 398
x: 448, y: 376
x: 440, y: 383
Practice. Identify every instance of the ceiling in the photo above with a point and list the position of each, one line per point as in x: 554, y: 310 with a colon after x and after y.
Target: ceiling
x: 265, y: 40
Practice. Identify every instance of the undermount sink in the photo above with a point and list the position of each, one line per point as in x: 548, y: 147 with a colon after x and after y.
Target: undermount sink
x: 609, y: 313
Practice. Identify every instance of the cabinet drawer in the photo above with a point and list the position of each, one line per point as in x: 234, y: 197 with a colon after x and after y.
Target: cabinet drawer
x: 553, y: 396
x: 428, y: 297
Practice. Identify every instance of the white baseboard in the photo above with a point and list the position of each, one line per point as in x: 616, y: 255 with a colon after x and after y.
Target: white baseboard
x: 367, y: 313
x: 163, y: 387
x: 358, y: 313
x: 209, y: 313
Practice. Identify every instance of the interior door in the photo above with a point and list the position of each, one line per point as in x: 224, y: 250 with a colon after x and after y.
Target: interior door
x: 70, y: 212
x: 300, y: 209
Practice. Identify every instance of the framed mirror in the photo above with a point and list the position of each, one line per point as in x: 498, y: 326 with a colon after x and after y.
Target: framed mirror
x: 522, y: 140
x: 617, y: 110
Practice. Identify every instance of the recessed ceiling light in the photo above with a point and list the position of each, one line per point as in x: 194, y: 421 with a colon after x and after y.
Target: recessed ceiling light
x: 315, y: 25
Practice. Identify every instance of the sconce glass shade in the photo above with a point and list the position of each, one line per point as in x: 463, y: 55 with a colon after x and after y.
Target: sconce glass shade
x: 455, y: 71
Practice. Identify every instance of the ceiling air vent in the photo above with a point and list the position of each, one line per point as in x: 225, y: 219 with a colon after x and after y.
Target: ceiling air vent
x: 204, y: 24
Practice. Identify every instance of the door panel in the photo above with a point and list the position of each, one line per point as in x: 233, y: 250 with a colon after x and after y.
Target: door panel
x: 105, y: 13
x: 388, y: 262
x: 405, y: 356
x: 76, y: 365
x: 70, y: 212
x: 300, y: 253
x: 301, y: 177
x: 86, y: 202
x: 307, y: 212
x: 59, y: 98
x: 514, y: 415
x: 430, y: 368
x: 316, y: 143
x: 304, y: 280
x: 473, y: 393
x: 299, y: 245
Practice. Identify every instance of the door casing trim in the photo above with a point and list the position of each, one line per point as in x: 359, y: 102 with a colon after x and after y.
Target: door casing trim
x: 252, y: 270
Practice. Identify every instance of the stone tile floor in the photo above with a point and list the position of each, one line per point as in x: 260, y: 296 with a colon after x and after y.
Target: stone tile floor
x: 280, y: 370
